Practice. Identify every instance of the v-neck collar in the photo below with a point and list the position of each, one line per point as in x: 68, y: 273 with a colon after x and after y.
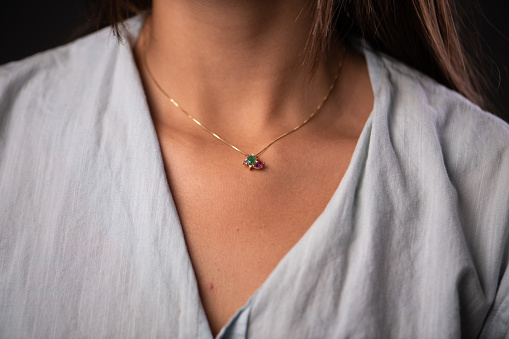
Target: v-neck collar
x: 149, y: 177
x: 329, y: 235
x: 306, y: 251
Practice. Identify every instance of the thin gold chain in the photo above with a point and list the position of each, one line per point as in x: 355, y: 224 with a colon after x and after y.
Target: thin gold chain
x: 317, y: 109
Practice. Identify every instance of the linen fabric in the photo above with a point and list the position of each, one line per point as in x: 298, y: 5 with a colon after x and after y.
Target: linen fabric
x: 413, y: 244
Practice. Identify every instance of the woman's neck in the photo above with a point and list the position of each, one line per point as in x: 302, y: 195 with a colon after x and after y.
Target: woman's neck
x: 235, y: 61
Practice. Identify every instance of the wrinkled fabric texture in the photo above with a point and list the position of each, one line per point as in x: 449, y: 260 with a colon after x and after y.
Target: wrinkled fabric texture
x: 413, y: 244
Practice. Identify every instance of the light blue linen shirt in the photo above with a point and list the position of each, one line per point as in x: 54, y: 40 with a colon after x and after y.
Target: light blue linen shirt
x: 413, y: 244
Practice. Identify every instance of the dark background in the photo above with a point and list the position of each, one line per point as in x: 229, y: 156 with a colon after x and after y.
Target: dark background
x: 29, y: 26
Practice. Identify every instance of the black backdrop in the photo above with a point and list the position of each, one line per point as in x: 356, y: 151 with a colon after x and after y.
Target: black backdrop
x: 30, y: 26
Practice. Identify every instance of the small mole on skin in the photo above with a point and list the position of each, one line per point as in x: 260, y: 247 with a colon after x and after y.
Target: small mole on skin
x: 210, y: 286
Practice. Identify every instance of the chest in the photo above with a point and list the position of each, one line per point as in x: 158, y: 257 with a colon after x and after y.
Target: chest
x: 239, y: 223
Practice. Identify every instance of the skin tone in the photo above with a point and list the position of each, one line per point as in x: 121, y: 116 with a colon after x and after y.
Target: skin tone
x: 234, y: 65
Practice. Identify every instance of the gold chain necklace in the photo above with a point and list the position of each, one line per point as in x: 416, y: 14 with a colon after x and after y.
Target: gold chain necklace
x: 252, y: 160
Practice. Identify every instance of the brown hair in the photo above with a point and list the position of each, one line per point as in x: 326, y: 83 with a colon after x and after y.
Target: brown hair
x: 429, y: 35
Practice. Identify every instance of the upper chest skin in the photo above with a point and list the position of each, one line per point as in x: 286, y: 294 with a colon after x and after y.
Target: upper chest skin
x: 238, y: 224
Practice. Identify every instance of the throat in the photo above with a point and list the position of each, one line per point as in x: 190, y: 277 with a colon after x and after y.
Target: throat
x: 238, y: 61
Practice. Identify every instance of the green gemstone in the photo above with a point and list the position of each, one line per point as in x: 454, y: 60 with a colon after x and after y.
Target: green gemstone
x: 251, y: 160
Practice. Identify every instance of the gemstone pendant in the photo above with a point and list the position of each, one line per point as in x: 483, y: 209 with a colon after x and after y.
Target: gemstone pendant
x: 252, y: 161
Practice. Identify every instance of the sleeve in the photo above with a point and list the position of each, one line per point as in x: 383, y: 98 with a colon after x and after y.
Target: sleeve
x: 476, y: 155
x: 497, y: 323
x: 494, y: 211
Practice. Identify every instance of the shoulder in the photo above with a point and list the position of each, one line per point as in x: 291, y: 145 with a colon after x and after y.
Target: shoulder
x: 58, y: 76
x: 68, y: 97
x: 444, y: 106
x: 451, y: 158
x: 49, y: 77
x: 57, y: 61
x: 445, y: 149
x: 45, y: 97
x: 438, y: 130
x: 465, y: 134
x: 49, y: 95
